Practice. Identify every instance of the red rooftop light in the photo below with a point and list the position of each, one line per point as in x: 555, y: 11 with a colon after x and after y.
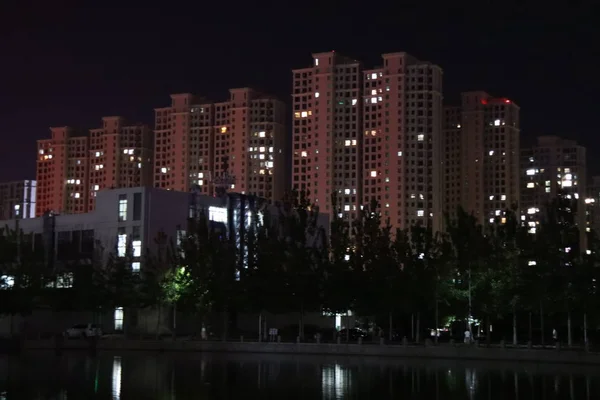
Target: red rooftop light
x: 506, y: 100
x: 484, y: 101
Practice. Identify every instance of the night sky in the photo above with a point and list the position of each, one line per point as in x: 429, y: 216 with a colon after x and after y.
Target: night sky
x: 62, y: 64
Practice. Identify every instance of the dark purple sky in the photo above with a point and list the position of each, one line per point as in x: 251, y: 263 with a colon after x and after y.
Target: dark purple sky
x: 63, y: 64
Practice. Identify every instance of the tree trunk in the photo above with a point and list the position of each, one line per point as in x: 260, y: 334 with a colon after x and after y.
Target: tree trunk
x: 569, y: 338
x: 514, y: 325
x: 301, y: 323
x: 585, y: 337
x: 390, y: 324
x: 158, y: 316
x: 437, y: 318
x: 174, y: 320
x: 530, y: 327
x: 260, y: 327
x: 225, y: 323
x: 418, y: 328
x: 542, y: 322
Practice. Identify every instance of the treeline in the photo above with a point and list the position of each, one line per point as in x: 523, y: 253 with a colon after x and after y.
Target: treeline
x: 497, y: 274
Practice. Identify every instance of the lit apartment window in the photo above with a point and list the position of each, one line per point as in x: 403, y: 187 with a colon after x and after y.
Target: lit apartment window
x: 119, y: 319
x: 135, y: 266
x: 420, y: 138
x: 121, y: 244
x: 137, y: 248
x: 122, y: 207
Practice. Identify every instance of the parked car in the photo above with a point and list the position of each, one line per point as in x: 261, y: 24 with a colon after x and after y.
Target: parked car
x: 83, y: 331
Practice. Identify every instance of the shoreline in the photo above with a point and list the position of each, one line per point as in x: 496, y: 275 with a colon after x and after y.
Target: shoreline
x: 556, y: 356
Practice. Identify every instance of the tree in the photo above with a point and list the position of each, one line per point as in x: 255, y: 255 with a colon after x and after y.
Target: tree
x: 305, y: 254
x: 470, y: 248
x: 23, y: 275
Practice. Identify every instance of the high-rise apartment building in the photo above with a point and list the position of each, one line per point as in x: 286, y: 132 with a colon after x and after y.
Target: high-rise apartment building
x: 72, y: 166
x: 17, y: 199
x: 480, y: 156
x: 369, y: 134
x: 592, y: 205
x: 240, y: 142
x: 553, y: 167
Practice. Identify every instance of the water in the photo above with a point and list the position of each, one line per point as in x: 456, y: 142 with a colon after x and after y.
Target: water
x: 255, y: 376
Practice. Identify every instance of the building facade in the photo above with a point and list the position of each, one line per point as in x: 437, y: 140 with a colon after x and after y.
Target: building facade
x: 72, y: 166
x: 240, y: 142
x: 363, y: 135
x: 17, y: 199
x: 481, y: 156
x: 551, y: 168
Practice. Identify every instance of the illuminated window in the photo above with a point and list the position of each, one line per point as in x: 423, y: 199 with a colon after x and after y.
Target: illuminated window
x: 503, y: 197
x: 354, y: 101
x: 399, y: 154
x: 121, y: 244
x: 137, y: 248
x: 373, y: 100
x: 530, y: 172
x: 96, y: 187
x: 135, y: 266
x: 163, y: 170
x: 497, y: 122
x: 373, y: 174
x: 491, y: 152
x: 373, y: 76
x: 347, y: 207
x: 119, y: 319
x: 420, y: 138
x: 77, y: 195
x: 420, y: 213
x: 316, y: 94
x: 223, y: 129
x: 530, y: 184
x: 304, y: 114
x: 122, y: 207
x: 262, y: 134
x: 217, y: 214
x: 200, y: 174
x: 316, y: 62
x: 304, y: 154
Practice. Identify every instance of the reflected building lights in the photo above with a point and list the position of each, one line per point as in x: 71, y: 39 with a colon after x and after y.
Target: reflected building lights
x: 116, y: 378
x: 335, y: 381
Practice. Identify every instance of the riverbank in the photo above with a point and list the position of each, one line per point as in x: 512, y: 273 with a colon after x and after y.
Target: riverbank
x: 457, y: 352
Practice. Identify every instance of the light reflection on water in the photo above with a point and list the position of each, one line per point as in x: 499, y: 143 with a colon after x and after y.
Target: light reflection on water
x: 242, y: 376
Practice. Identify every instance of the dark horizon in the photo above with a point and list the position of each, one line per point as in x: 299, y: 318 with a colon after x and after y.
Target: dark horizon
x: 67, y: 65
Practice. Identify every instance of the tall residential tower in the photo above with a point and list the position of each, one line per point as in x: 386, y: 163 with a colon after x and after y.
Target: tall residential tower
x: 242, y: 142
x: 72, y: 167
x: 369, y: 134
x: 481, y: 156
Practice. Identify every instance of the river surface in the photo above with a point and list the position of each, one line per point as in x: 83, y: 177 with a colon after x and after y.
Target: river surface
x: 170, y: 376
